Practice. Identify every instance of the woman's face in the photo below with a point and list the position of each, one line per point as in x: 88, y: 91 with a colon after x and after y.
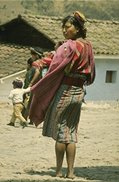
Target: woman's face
x: 69, y: 31
x: 34, y: 57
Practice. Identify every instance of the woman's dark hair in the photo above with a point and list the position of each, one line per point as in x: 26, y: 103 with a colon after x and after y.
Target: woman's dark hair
x: 79, y: 24
x: 36, y: 51
x: 17, y: 83
x: 30, y: 61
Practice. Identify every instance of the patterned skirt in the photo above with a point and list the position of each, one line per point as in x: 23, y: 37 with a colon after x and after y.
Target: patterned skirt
x: 63, y: 114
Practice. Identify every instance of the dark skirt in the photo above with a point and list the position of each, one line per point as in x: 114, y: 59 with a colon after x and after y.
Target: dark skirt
x: 63, y: 114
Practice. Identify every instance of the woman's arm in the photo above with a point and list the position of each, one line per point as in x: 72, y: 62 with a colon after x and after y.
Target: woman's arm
x: 35, y: 77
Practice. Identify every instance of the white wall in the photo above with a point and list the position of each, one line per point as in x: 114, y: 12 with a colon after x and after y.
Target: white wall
x: 100, y: 90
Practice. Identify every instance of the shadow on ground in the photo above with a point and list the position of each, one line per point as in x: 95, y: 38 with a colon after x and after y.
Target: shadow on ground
x: 103, y: 173
x: 98, y: 173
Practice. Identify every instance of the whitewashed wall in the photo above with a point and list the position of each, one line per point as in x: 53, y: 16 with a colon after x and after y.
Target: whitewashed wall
x: 101, y: 90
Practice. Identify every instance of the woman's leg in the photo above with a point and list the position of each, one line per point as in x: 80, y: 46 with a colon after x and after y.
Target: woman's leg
x: 70, y: 156
x: 60, y: 149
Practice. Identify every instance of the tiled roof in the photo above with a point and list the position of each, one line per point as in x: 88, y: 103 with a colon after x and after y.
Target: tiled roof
x: 12, y: 59
x: 104, y: 36
x: 50, y: 26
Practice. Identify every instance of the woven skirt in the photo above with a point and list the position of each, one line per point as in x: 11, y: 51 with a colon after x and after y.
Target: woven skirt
x: 63, y: 114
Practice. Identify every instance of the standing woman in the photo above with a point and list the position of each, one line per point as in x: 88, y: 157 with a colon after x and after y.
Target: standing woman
x: 58, y: 96
x: 33, y: 74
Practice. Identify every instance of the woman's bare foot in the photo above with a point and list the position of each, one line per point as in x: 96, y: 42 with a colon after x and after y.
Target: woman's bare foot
x: 70, y: 175
x: 59, y: 174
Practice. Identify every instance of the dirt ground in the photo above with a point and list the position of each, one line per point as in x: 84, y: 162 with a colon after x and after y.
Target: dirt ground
x: 25, y: 155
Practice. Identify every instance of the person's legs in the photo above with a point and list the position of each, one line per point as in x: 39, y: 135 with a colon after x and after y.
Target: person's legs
x: 28, y: 108
x: 12, y: 120
x: 25, y: 111
x: 18, y: 114
x: 70, y: 156
x: 60, y: 149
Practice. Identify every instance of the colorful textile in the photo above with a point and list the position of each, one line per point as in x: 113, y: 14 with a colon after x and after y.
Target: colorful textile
x: 66, y: 59
x: 63, y: 114
x: 86, y: 65
x: 79, y: 16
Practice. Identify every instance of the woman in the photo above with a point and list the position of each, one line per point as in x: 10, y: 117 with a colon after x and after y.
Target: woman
x: 33, y: 74
x: 36, y: 53
x: 58, y: 96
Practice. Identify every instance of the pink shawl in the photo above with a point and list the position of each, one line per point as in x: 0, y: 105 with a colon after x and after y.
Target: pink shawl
x: 44, y: 90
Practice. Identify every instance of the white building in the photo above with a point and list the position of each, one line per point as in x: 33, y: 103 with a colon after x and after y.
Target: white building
x: 106, y: 85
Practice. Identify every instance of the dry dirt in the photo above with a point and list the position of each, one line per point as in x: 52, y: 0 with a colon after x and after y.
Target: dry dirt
x: 25, y: 155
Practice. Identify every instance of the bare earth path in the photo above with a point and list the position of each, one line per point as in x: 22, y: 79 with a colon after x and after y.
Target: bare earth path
x: 25, y: 155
